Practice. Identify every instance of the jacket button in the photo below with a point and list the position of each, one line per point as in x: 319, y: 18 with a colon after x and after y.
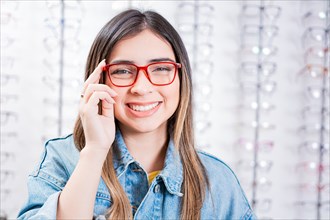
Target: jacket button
x: 157, y: 188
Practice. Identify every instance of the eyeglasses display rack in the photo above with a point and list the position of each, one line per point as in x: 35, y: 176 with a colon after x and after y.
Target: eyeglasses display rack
x: 313, y: 167
x: 195, y: 24
x: 9, y: 102
x: 63, y: 72
x: 258, y: 30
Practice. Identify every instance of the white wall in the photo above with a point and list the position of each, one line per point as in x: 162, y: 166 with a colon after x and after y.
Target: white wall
x: 26, y: 26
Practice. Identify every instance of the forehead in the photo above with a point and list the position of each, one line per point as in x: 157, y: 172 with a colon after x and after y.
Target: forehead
x: 142, y: 48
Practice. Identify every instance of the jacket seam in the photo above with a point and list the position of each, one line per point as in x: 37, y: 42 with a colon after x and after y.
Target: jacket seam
x: 247, y: 214
x: 48, y: 181
x: 60, y: 158
x: 104, y: 196
x: 37, y: 171
x: 58, y: 138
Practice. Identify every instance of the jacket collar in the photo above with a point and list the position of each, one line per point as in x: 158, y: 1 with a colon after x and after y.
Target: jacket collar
x: 171, y: 174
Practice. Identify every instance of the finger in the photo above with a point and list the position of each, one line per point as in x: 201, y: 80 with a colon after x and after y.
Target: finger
x: 98, y: 87
x: 107, y: 108
x: 98, y: 96
x: 94, y: 88
x: 95, y: 76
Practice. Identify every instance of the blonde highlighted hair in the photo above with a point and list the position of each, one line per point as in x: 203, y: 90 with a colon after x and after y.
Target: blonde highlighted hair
x: 180, y: 125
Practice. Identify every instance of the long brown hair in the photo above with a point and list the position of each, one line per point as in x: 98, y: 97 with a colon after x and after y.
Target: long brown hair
x: 180, y: 125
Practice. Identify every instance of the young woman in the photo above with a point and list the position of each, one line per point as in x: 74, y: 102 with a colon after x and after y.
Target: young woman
x: 132, y: 152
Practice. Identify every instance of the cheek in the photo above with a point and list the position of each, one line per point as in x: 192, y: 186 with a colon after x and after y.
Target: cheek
x: 116, y: 111
x: 118, y: 90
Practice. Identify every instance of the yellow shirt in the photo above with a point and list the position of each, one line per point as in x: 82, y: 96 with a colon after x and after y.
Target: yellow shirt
x: 152, y: 175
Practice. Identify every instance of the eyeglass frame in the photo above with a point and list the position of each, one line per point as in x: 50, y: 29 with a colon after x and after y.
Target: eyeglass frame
x: 145, y: 70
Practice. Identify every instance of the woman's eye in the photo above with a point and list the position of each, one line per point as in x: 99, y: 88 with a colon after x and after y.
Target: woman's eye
x: 121, y: 71
x: 161, y: 69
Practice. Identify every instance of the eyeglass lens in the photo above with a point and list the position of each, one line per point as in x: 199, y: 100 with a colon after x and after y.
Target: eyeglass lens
x: 126, y: 74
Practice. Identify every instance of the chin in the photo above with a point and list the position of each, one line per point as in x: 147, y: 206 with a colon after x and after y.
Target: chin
x: 142, y: 127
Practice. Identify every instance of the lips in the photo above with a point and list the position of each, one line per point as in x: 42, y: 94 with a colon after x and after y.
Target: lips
x: 143, y: 107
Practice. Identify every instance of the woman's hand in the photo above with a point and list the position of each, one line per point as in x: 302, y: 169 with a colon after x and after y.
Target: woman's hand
x: 99, y: 129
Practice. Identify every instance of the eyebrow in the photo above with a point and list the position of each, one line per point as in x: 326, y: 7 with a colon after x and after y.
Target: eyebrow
x: 150, y: 61
x: 160, y: 60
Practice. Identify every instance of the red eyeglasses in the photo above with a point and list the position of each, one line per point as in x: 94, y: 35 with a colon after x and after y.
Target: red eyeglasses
x: 158, y: 73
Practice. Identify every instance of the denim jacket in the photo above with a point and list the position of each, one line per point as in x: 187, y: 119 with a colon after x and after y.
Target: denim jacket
x: 160, y: 200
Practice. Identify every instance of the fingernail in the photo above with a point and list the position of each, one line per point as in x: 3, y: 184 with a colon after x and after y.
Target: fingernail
x: 102, y: 63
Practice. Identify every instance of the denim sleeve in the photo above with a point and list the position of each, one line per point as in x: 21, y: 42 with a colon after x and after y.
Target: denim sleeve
x: 44, y: 186
x: 42, y: 200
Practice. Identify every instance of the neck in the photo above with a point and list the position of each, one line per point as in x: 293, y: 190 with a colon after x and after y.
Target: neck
x: 148, y: 148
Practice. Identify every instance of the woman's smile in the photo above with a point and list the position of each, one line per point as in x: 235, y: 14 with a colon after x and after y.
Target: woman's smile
x: 142, y: 110
x: 142, y: 107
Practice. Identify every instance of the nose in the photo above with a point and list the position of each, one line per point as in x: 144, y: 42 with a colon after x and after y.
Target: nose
x: 142, y: 85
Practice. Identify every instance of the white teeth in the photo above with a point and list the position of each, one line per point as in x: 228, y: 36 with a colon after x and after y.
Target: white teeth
x: 143, y: 108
